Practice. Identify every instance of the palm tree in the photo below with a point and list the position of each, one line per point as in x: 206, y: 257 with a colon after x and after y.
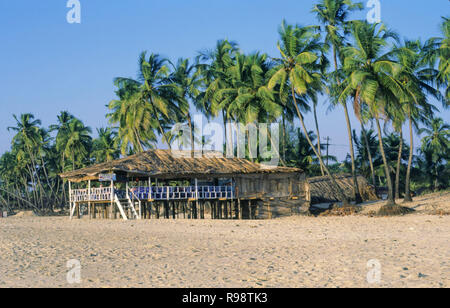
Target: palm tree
x: 444, y: 59
x: 299, y: 153
x: 437, y: 53
x: 333, y: 14
x: 371, y: 74
x: 247, y: 99
x: 189, y: 81
x: 62, y: 128
x: 296, y: 70
x: 436, y: 140
x: 152, y: 98
x: 133, y: 118
x: 105, y: 147
x: 213, y: 66
x: 416, y: 78
x: 78, y: 144
x: 433, y: 170
x: 366, y: 152
x: 28, y: 143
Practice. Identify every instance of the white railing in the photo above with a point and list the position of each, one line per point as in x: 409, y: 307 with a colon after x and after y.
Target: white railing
x: 97, y: 194
x: 155, y: 193
x: 183, y: 192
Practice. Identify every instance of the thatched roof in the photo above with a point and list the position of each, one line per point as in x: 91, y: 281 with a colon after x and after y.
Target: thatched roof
x: 173, y: 165
x: 322, y: 190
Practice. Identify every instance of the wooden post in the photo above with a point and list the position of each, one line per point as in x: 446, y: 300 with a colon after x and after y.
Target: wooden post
x: 89, y: 199
x: 112, y: 196
x: 239, y: 209
x: 70, y: 199
x: 150, y: 188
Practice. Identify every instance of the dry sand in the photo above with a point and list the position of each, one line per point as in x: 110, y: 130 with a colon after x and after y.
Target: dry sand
x: 413, y: 251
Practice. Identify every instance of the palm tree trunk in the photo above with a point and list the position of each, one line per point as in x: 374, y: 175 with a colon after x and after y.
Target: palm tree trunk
x: 191, y: 130
x: 408, y: 197
x: 319, y: 148
x: 339, y: 191
x: 399, y: 162
x: 369, y: 153
x: 284, y: 136
x: 391, y: 200
x: 273, y: 147
x: 138, y: 139
x: 356, y: 192
x: 436, y: 179
x: 228, y: 144
x: 160, y: 126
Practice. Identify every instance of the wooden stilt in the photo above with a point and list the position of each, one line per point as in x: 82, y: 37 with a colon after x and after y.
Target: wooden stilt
x: 89, y: 199
x: 239, y: 209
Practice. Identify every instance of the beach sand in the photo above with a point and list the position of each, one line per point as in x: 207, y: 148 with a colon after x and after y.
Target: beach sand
x: 412, y: 250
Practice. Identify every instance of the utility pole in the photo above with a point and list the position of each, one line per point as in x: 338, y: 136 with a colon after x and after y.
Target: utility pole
x: 327, y: 144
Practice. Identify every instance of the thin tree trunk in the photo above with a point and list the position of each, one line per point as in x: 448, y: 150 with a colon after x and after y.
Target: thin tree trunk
x: 138, y: 139
x: 399, y: 162
x: 319, y: 148
x: 356, y: 192
x: 284, y: 136
x: 273, y: 147
x: 408, y: 197
x: 229, y: 151
x: 160, y: 125
x: 436, y: 180
x: 391, y: 200
x: 339, y: 191
x: 191, y: 130
x: 369, y: 154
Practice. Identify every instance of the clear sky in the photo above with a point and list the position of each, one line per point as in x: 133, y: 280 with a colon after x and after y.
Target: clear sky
x: 48, y: 65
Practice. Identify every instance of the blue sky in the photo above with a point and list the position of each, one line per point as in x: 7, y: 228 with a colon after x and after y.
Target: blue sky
x: 48, y: 65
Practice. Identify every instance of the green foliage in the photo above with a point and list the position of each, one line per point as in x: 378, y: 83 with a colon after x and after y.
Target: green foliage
x: 388, y: 81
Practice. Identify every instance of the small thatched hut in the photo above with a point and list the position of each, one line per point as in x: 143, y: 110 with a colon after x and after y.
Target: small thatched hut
x: 142, y: 185
x: 321, y: 190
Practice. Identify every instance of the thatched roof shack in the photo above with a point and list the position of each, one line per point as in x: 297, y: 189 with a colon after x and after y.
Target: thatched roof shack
x: 256, y: 190
x: 321, y: 190
x: 166, y: 164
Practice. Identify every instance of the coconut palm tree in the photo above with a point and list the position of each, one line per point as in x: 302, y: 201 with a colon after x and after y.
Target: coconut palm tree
x: 416, y: 78
x: 79, y: 143
x: 366, y: 145
x: 189, y: 82
x: 247, y: 99
x: 297, y: 68
x: 436, y: 141
x: 333, y: 15
x: 437, y: 53
x: 213, y: 65
x: 105, y: 147
x: 371, y: 74
x: 61, y: 128
x: 444, y: 60
x: 433, y: 170
x: 132, y: 116
x: 28, y: 143
x: 152, y: 97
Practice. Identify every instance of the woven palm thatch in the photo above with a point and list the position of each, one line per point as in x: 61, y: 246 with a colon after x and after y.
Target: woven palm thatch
x: 175, y: 165
x: 322, y: 191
